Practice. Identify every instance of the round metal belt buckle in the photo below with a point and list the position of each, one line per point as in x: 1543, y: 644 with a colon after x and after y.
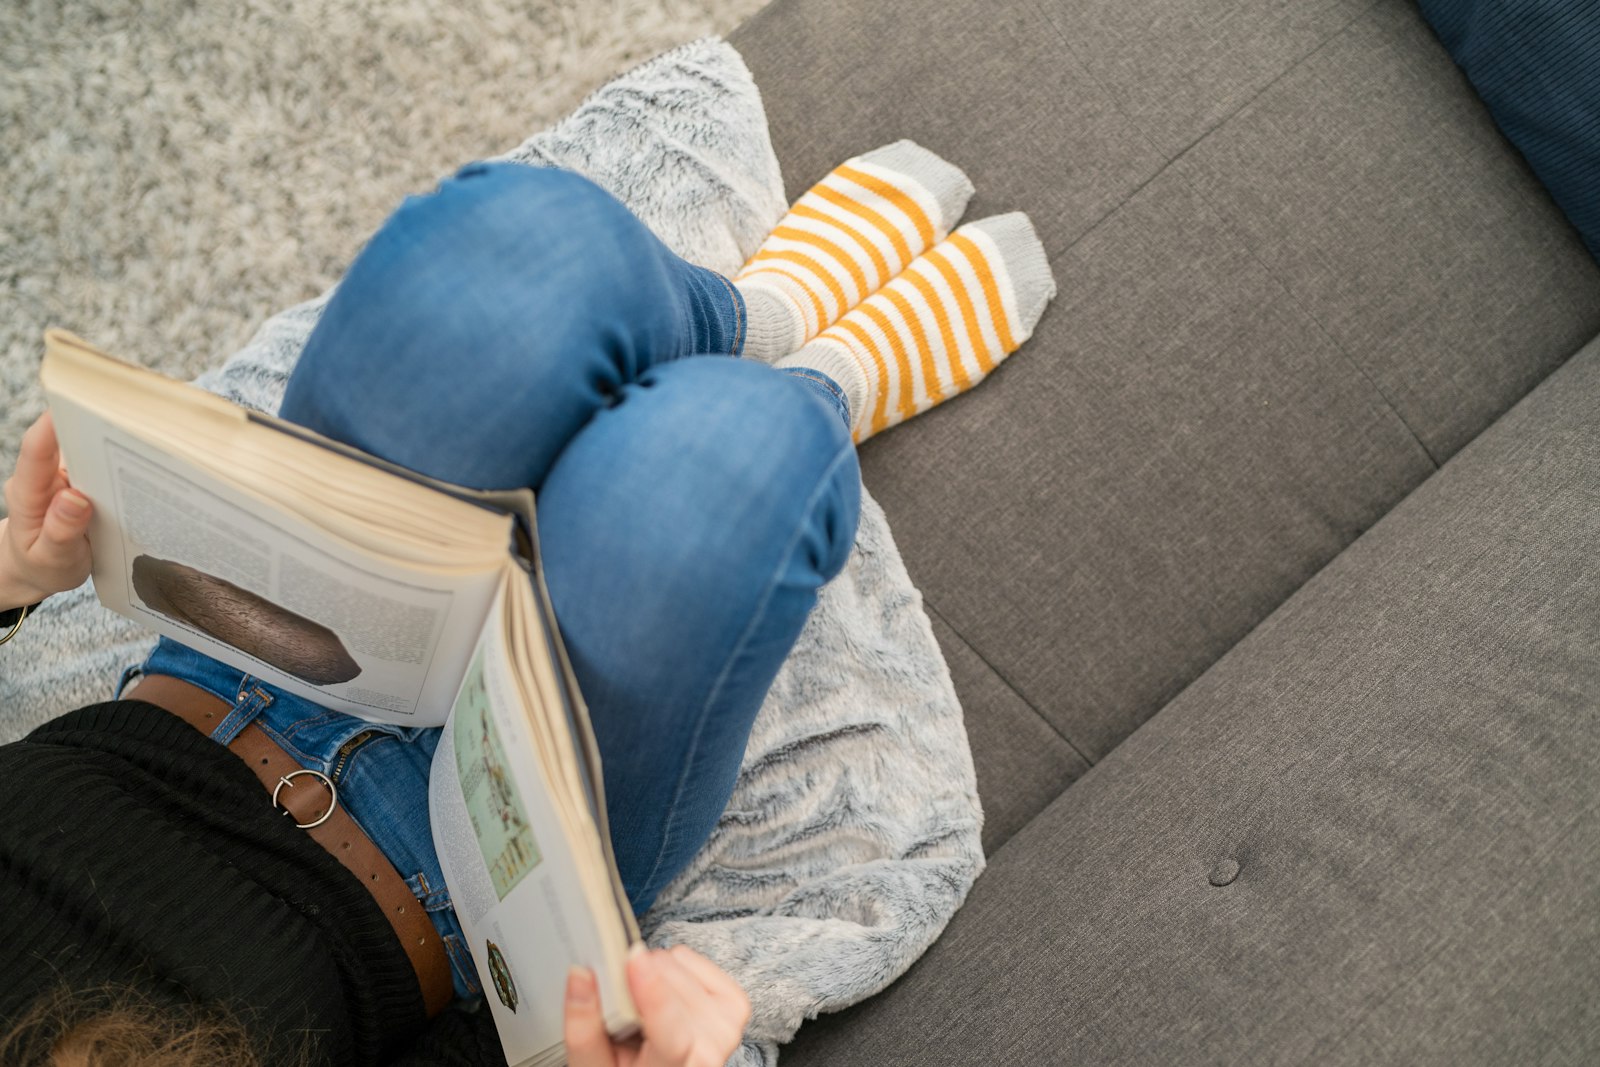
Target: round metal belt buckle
x: 333, y: 796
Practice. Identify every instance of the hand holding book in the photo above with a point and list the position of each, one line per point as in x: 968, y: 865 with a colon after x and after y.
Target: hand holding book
x: 690, y: 1014
x: 44, y: 544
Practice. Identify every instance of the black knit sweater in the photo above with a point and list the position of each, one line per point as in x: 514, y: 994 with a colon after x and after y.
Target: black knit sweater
x: 136, y: 851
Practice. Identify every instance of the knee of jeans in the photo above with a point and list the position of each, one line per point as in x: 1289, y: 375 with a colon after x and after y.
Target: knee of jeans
x: 505, y: 281
x: 763, y: 430
x: 764, y: 415
x: 505, y: 186
x: 548, y: 215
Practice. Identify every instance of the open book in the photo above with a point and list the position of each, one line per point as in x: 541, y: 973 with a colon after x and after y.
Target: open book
x: 376, y: 592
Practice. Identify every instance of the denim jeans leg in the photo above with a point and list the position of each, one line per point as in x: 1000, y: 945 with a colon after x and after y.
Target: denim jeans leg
x: 685, y: 534
x: 485, y: 323
x: 702, y: 502
x: 824, y: 389
x: 520, y: 327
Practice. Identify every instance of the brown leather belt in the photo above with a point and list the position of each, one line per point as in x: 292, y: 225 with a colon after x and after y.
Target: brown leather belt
x: 311, y: 800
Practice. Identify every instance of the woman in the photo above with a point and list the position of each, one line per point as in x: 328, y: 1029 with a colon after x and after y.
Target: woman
x: 518, y: 326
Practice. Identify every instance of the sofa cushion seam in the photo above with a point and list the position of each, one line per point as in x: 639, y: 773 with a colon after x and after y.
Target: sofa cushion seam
x: 1333, y: 342
x: 1186, y: 149
x: 934, y: 611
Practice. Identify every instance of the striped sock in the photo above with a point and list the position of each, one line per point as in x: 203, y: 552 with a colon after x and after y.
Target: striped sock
x: 939, y: 327
x: 845, y: 238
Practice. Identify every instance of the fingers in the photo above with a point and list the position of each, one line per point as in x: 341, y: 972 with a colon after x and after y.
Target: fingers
x: 690, y: 1019
x: 29, y: 490
x: 668, y: 1020
x: 716, y: 981
x: 51, y: 557
x: 729, y: 1008
x: 691, y: 1012
x: 44, y: 543
x: 588, y: 1044
x: 66, y: 523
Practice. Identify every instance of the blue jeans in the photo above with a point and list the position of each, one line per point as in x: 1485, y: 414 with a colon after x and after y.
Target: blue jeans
x: 520, y: 327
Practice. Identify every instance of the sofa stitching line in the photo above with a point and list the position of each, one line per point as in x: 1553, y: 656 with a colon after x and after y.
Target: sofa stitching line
x: 1007, y: 683
x: 1116, y: 101
x: 1221, y: 122
x: 1366, y: 13
x: 1300, y: 306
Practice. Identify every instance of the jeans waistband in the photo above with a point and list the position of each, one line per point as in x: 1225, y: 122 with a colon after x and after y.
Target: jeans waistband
x: 381, y: 771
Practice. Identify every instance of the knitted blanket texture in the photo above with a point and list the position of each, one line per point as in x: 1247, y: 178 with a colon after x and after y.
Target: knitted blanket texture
x: 853, y: 833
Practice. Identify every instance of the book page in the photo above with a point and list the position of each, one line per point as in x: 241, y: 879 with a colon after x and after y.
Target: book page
x: 512, y: 871
x: 268, y: 592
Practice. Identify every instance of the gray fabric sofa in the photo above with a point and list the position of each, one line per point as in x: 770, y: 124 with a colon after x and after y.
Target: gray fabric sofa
x: 1269, y: 570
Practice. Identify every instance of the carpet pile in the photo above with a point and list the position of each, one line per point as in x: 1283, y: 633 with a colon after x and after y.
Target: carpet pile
x: 176, y: 172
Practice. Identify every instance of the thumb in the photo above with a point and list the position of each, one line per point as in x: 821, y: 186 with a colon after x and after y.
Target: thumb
x: 65, y: 522
x: 588, y: 1044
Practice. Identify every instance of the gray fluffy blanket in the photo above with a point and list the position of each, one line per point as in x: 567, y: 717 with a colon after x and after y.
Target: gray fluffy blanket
x: 853, y: 833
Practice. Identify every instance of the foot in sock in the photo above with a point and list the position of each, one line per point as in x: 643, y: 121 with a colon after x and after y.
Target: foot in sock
x: 844, y: 239
x: 939, y: 327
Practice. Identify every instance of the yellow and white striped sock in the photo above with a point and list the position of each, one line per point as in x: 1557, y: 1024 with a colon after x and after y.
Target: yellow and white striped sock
x: 843, y: 239
x: 939, y: 327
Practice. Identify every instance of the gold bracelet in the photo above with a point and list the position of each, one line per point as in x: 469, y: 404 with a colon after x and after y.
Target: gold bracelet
x: 18, y: 625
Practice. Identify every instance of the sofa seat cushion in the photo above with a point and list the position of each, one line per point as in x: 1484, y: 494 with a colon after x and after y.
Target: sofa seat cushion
x: 1536, y: 64
x: 1367, y: 834
x: 1298, y: 267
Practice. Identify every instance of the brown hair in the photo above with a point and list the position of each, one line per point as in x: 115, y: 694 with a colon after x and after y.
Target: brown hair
x: 121, y: 1027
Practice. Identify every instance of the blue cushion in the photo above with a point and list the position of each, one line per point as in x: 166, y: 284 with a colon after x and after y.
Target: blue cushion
x: 1536, y: 64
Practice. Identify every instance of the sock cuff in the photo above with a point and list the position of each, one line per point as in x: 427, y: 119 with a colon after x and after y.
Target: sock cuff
x: 947, y: 183
x: 775, y: 325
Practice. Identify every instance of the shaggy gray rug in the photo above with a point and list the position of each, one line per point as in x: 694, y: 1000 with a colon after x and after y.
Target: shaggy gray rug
x: 175, y: 172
